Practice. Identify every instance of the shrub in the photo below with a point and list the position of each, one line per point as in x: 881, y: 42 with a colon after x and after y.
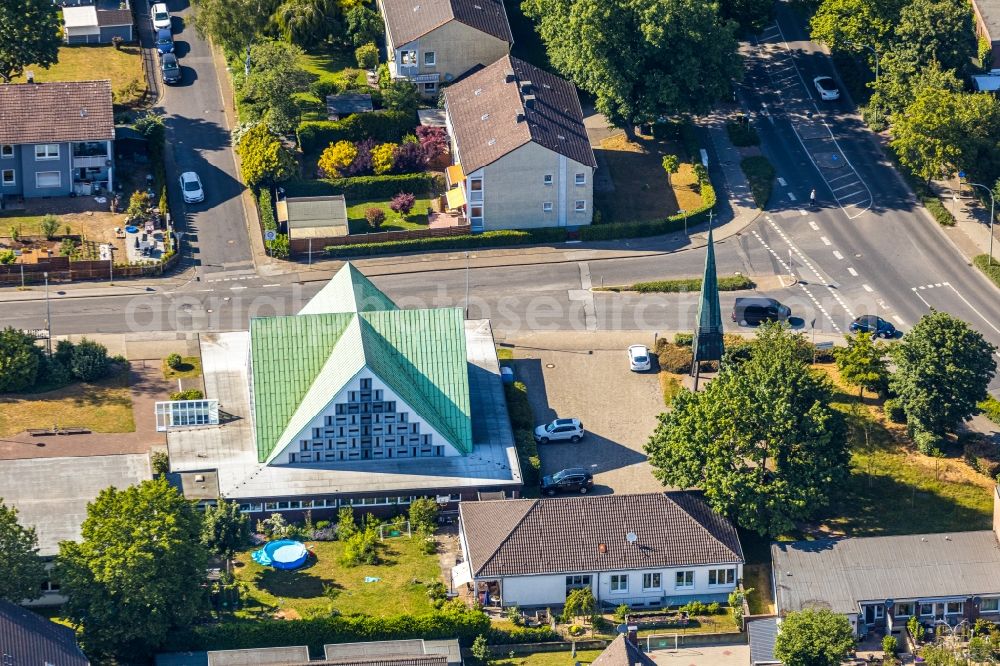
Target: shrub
x: 939, y: 211
x: 727, y: 283
x: 433, y: 141
x: 889, y: 645
x: 480, y: 650
x: 760, y: 173
x: 684, y: 339
x: 992, y: 271
x: 894, y: 411
x: 264, y: 204
x: 7, y: 257
x: 520, y: 635
x: 366, y: 188
x: 522, y: 421
x: 403, y: 203
x: 361, y: 548
x: 714, y: 608
x: 336, y: 157
x: 173, y: 361
x: 188, y: 394
x: 423, y: 513
x: 513, y: 614
x: 690, y: 139
x: 991, y: 408
x: 89, y: 361
x: 485, y: 239
x: 159, y: 461
x: 575, y: 630
x: 408, y: 157
x: 382, y: 158
x: 323, y: 88
x: 380, y: 125
x: 742, y: 134
x: 674, y: 358
x: 49, y: 226
x: 927, y: 443
x: 138, y: 204
x: 982, y: 456
x: 375, y: 217
x: 367, y: 56
x: 621, y: 613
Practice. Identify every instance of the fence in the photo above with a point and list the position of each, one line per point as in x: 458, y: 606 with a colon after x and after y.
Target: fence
x: 301, y: 245
x: 61, y: 269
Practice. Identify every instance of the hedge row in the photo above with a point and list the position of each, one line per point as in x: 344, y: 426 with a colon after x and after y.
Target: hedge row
x: 991, y: 408
x: 727, y: 283
x: 485, y: 239
x: 991, y: 270
x: 267, y: 219
x: 366, y: 187
x: 522, y: 420
x: 383, y: 126
x: 617, y: 230
x: 938, y: 210
x: 760, y: 175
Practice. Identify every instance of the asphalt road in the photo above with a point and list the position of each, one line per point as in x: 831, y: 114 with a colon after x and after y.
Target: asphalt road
x: 214, y: 231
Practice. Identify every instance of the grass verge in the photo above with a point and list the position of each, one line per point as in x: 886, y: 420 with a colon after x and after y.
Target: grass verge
x: 991, y: 409
x: 992, y: 271
x: 76, y: 63
x: 417, y: 219
x: 522, y: 420
x: 758, y: 578
x: 670, y: 385
x: 549, y: 659
x: 760, y: 173
x: 728, y: 283
x: 938, y: 210
x: 190, y: 367
x: 404, y: 575
x: 104, y: 406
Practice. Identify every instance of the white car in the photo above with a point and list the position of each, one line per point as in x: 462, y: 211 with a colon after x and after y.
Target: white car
x: 638, y: 358
x: 191, y: 187
x: 827, y: 88
x: 559, y: 430
x: 160, y: 16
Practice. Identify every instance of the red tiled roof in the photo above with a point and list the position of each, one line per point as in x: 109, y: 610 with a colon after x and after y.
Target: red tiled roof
x: 56, y: 112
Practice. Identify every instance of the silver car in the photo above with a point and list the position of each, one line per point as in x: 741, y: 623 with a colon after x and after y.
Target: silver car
x: 191, y: 187
x: 560, y: 430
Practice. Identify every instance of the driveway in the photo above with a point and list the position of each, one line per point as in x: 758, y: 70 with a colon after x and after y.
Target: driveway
x: 618, y: 409
x: 215, y: 231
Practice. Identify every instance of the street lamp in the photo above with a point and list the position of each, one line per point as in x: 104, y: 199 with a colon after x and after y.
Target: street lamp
x: 992, y: 208
x: 48, y: 316
x: 684, y: 212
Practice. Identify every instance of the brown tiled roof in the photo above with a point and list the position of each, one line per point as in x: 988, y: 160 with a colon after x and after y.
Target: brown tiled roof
x: 407, y: 20
x: 622, y: 653
x: 56, y: 112
x: 110, y: 17
x: 485, y: 110
x: 523, y: 537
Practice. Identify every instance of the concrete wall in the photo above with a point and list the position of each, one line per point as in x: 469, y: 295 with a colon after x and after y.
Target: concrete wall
x: 12, y: 162
x: 514, y: 190
x: 30, y: 166
x: 457, y: 49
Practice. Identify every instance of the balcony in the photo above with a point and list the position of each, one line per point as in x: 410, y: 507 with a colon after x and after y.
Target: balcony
x: 90, y: 161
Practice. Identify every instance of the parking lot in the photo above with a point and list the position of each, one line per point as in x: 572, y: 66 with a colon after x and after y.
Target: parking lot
x: 618, y: 409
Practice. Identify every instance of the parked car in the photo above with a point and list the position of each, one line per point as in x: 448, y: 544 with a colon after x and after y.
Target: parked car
x: 638, y: 358
x: 164, y: 41
x: 574, y: 480
x: 170, y: 69
x: 191, y: 187
x: 160, y: 16
x: 827, y: 88
x: 559, y: 430
x: 753, y: 310
x: 877, y: 326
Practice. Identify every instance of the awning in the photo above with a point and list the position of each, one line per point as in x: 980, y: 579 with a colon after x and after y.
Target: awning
x: 456, y: 198
x: 455, y: 174
x: 461, y: 574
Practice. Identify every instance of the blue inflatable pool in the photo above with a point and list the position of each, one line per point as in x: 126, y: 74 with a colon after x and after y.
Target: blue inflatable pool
x: 282, y: 554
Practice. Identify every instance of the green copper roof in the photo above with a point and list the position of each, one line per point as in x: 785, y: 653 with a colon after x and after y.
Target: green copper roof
x: 301, y: 362
x: 708, y: 334
x: 348, y: 291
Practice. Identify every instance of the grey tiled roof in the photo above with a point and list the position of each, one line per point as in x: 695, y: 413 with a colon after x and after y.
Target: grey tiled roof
x: 56, y: 112
x: 763, y: 634
x: 484, y: 110
x: 27, y: 638
x: 523, y: 537
x: 114, y: 17
x: 622, y: 653
x: 410, y: 19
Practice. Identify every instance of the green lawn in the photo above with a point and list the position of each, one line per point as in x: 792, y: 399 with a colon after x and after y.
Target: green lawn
x: 87, y: 62
x: 334, y: 65
x: 990, y: 269
x: 405, y: 573
x: 26, y: 225
x: 417, y: 219
x: 550, y: 659
x: 190, y: 367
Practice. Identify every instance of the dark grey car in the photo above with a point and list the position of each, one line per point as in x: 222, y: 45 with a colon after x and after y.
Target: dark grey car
x: 170, y: 69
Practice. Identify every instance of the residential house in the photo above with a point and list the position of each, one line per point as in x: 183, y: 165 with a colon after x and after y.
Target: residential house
x: 351, y: 402
x: 56, y: 138
x: 522, y: 156
x: 431, y: 42
x: 413, y: 652
x: 987, y: 15
x: 89, y: 24
x: 880, y: 582
x: 27, y: 638
x: 646, y: 550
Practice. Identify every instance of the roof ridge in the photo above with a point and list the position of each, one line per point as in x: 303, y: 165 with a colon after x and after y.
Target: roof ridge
x: 534, y: 503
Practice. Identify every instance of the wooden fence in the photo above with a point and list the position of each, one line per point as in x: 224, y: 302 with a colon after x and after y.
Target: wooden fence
x: 61, y: 269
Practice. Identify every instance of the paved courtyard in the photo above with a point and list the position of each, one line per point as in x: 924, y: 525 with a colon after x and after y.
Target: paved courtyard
x: 618, y: 409
x: 713, y: 655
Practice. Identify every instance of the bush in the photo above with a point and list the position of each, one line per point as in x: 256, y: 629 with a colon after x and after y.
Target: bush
x: 323, y: 88
x: 264, y: 204
x: 938, y: 210
x: 622, y: 612
x: 89, y: 361
x: 189, y: 394
x: 485, y: 239
x: 760, y: 173
x: 375, y: 217
x: 684, y: 339
x: 889, y: 645
x: 366, y: 188
x: 742, y: 134
x: 336, y: 158
x: 894, y: 411
x: 367, y: 56
x: 727, y: 283
x: 159, y: 462
x: 927, y: 443
x: 173, y: 361
x: 520, y: 635
x: 991, y: 408
x: 982, y: 456
x: 49, y: 226
x: 403, y: 203
x: 382, y: 126
x: 992, y: 271
x: 674, y: 358
x: 690, y: 139
x: 423, y: 513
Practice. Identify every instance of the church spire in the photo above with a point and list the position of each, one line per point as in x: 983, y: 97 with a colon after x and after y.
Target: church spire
x: 707, y: 343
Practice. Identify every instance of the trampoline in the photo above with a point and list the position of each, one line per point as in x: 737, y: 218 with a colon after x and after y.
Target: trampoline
x: 283, y: 554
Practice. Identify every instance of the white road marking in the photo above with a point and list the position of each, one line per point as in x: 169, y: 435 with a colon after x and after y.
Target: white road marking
x: 236, y: 288
x: 826, y: 241
x: 846, y: 175
x: 781, y: 181
x: 815, y: 227
x: 791, y: 196
x: 838, y: 255
x: 899, y: 320
x: 850, y: 269
x: 867, y: 288
x: 852, y: 194
x: 271, y: 285
x: 853, y: 183
x: 802, y: 212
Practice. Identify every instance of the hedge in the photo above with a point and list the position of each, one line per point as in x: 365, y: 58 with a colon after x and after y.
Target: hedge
x: 982, y: 262
x: 760, y: 174
x: 938, y: 210
x: 521, y: 635
x: 450, y: 622
x: 615, y: 230
x: 366, y: 187
x: 267, y: 219
x: 727, y: 283
x: 383, y: 126
x: 522, y: 420
x: 991, y: 408
x: 467, y: 242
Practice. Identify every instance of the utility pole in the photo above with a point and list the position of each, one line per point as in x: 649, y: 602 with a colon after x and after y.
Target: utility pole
x: 467, y: 285
x: 48, y: 316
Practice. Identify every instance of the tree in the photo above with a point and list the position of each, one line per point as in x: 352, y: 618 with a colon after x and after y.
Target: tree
x: 308, y: 23
x: 926, y: 135
x: 403, y: 203
x: 233, y: 24
x: 851, y: 25
x: 480, y: 650
x: 364, y: 25
x: 382, y: 158
x: 19, y: 360
x: 29, y: 35
x: 579, y: 603
x: 263, y: 158
x: 901, y: 79
x: 423, y: 513
x: 89, y: 361
x: 813, y: 638
x: 367, y: 56
x: 137, y: 571
x: 671, y: 164
x: 401, y: 95
x: 49, y: 226
x: 751, y: 15
x: 268, y: 93
x: 943, y: 368
x: 375, y: 217
x: 23, y: 569
x: 336, y: 158
x: 761, y: 440
x: 225, y: 530
x: 433, y: 141
x: 863, y: 363
x: 939, y: 31
x: 681, y: 56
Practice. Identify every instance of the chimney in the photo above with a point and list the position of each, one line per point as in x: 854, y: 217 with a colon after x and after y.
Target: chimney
x: 602, y: 548
x: 508, y: 76
x: 520, y: 118
x: 632, y: 635
x: 529, y: 101
x: 29, y: 76
x: 525, y: 87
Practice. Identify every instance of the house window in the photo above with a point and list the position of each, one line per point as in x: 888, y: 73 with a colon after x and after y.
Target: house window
x: 430, y: 58
x: 955, y: 608
x: 580, y: 205
x: 546, y: 206
x: 990, y: 605
x: 47, y: 151
x: 48, y: 179
x: 926, y: 610
x: 651, y: 581
x: 576, y: 582
x: 581, y: 179
x: 8, y: 176
x: 904, y: 609
x: 476, y: 189
x: 684, y: 580
x: 619, y: 583
x: 547, y: 179
x: 430, y: 87
x: 6, y: 151
x: 408, y: 58
x: 879, y: 612
x: 721, y: 576
x: 476, y: 212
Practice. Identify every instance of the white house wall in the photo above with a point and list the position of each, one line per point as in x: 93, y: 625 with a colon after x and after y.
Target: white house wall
x: 534, y: 590
x: 388, y: 394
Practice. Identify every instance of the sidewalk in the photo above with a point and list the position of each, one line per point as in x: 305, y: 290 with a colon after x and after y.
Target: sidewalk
x: 971, y: 232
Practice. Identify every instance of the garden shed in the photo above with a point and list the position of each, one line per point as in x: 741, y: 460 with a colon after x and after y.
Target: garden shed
x: 341, y: 106
x: 313, y: 219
